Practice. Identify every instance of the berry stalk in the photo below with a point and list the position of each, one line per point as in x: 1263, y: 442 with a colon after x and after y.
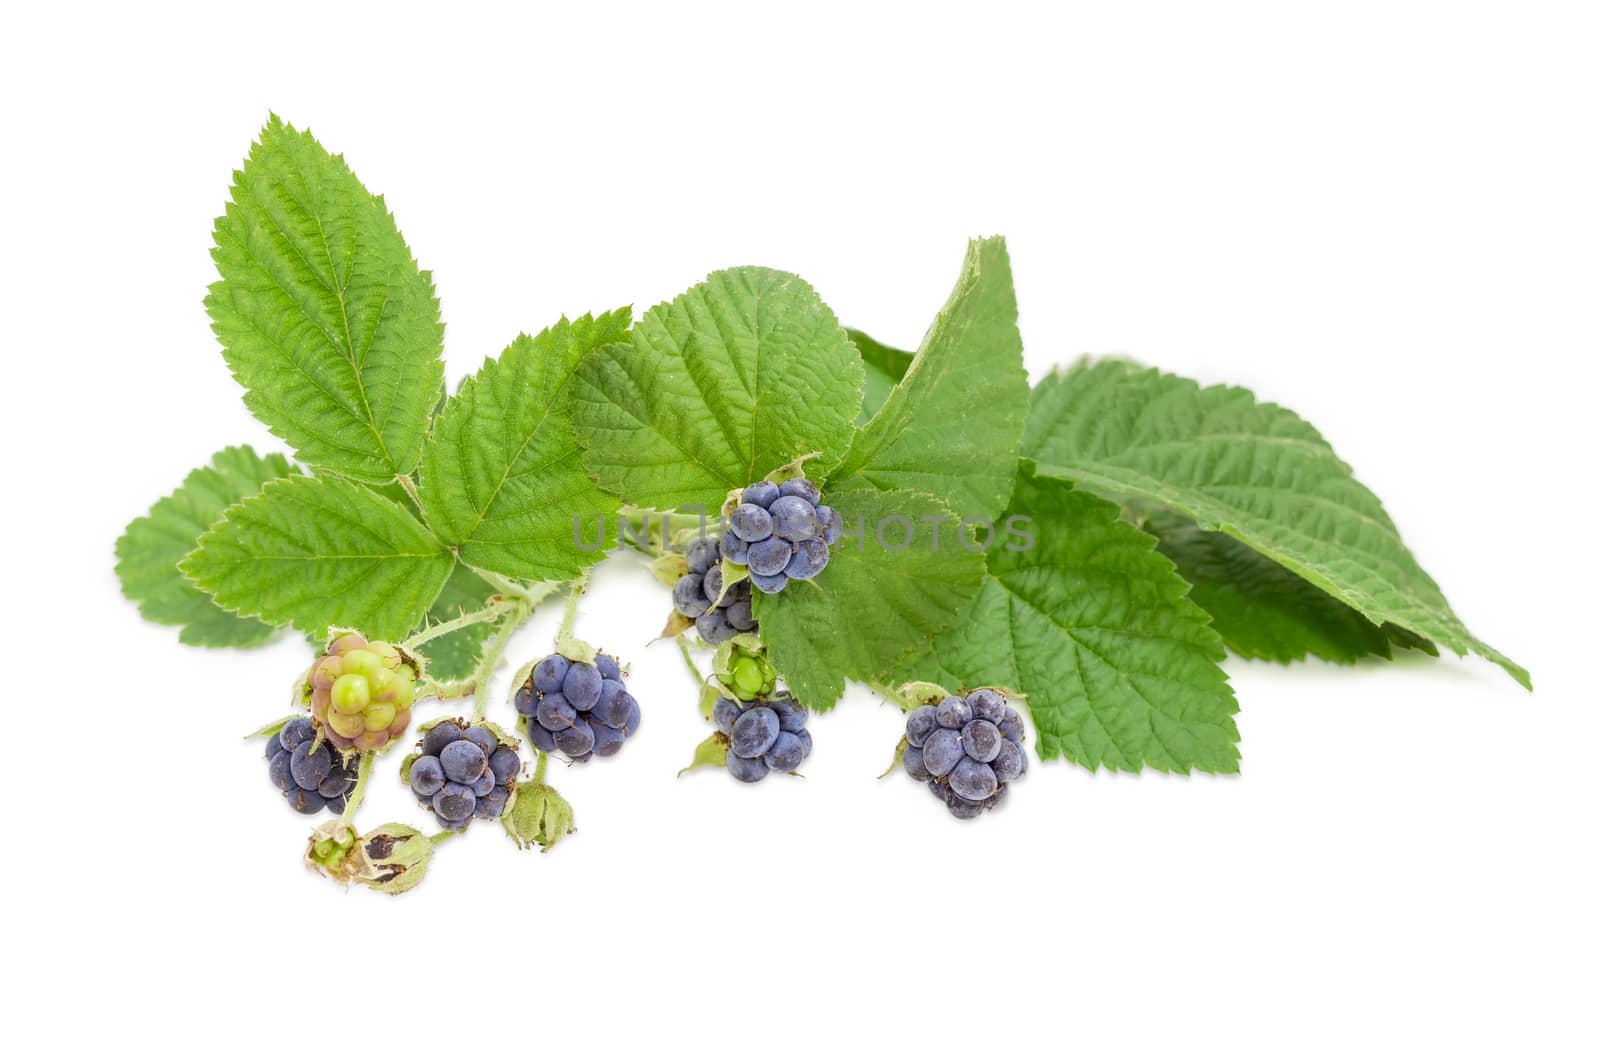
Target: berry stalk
x: 363, y: 774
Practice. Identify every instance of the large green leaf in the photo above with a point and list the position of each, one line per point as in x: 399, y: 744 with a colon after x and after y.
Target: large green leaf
x: 1119, y: 668
x: 149, y: 550
x: 952, y: 426
x: 740, y: 375
x: 900, y: 575
x: 502, y: 473
x: 319, y: 552
x: 884, y: 368
x: 323, y: 315
x: 1253, y: 470
x: 1261, y: 609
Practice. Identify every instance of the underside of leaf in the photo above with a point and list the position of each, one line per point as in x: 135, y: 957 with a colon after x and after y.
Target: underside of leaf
x: 1253, y: 470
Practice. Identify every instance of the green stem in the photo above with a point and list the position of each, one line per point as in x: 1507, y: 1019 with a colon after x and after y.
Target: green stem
x: 363, y: 774
x: 890, y: 695
x: 444, y: 834
x: 688, y: 660
x: 667, y: 523
x: 569, y: 619
x: 409, y: 486
x: 539, y: 768
x: 491, y: 659
x: 491, y: 611
x: 509, y: 587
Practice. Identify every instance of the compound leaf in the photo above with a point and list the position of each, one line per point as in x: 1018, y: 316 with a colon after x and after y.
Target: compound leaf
x: 952, y: 426
x: 1083, y: 616
x: 150, y: 549
x: 901, y: 574
x: 323, y: 315
x: 1254, y: 470
x: 502, y: 473
x: 317, y: 552
x: 740, y: 375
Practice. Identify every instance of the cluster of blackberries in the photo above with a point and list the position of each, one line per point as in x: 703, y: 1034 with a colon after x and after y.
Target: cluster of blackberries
x: 698, y: 595
x: 763, y: 735
x: 780, y: 532
x: 464, y: 772
x: 968, y: 749
x: 582, y: 709
x: 309, y: 772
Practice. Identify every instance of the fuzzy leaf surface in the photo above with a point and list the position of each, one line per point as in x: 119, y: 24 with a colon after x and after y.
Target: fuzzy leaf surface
x: 150, y: 549
x: 872, y: 605
x: 317, y: 552
x: 1119, y: 668
x: 952, y: 426
x: 1254, y: 470
x: 740, y: 375
x: 323, y: 315
x: 502, y: 473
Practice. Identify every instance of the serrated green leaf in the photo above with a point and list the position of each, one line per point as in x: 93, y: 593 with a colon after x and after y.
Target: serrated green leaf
x: 952, y: 426
x: 455, y: 656
x: 1120, y: 669
x: 319, y: 552
x: 323, y: 315
x: 1253, y: 470
x: 884, y: 368
x: 740, y: 375
x: 1261, y: 609
x: 872, y: 605
x: 502, y: 473
x: 151, y: 547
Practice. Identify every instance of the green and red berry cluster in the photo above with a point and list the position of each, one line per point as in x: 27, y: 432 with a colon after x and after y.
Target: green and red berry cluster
x: 361, y: 692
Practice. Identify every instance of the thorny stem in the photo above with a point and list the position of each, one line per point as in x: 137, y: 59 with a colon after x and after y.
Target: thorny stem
x: 491, y: 611
x: 892, y: 696
x: 664, y: 524
x: 359, y: 792
x: 509, y: 587
x: 491, y: 659
x: 516, y: 609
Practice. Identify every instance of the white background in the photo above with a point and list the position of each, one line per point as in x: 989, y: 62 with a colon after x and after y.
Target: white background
x: 1384, y: 216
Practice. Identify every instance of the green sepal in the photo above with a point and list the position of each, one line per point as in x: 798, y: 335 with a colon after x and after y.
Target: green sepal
x: 713, y: 751
x: 669, y: 568
x: 899, y: 758
x: 272, y: 728
x: 537, y: 816
x: 392, y: 858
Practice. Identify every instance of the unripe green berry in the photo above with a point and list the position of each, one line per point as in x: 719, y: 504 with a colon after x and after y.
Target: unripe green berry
x: 363, y: 662
x: 351, y: 694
